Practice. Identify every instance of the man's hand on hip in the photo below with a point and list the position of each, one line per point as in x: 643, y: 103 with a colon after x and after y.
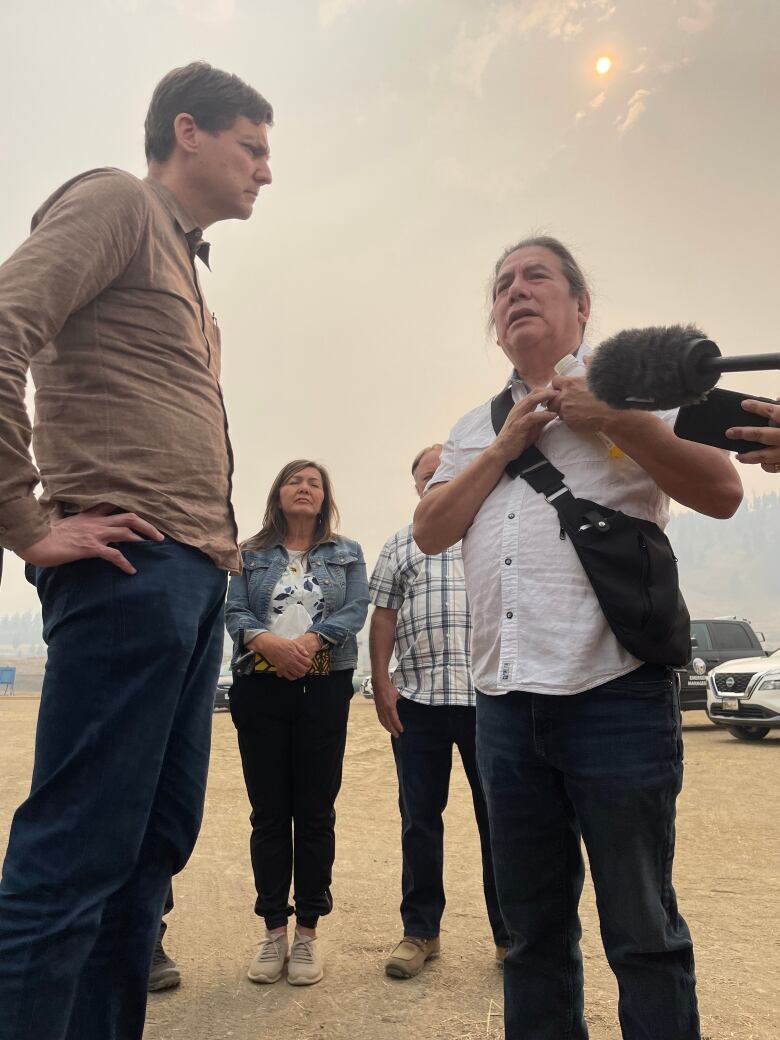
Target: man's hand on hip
x: 386, y: 699
x: 88, y: 535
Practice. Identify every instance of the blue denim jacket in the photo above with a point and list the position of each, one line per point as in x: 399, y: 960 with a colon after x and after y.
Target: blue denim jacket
x: 341, y: 572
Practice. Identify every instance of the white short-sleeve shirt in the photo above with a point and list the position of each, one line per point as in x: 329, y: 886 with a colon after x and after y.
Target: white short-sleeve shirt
x: 536, y: 623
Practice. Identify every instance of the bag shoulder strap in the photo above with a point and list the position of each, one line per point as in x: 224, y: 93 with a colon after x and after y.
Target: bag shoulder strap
x: 537, y: 470
x: 531, y: 465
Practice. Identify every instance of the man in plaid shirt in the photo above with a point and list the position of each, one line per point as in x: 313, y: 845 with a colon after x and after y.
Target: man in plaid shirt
x: 427, y: 706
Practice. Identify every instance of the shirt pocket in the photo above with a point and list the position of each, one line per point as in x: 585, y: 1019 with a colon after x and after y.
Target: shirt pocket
x: 256, y: 574
x: 571, y: 449
x: 214, y: 337
x: 470, y: 447
x: 336, y: 570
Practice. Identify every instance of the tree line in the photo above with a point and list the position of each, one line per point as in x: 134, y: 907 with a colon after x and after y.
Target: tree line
x: 22, y: 630
x: 732, y: 567
x: 726, y: 567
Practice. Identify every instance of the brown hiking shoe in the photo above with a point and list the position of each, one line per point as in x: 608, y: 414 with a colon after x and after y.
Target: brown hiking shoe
x: 410, y: 955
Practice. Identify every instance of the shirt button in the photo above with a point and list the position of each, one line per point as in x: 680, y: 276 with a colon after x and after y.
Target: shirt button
x: 511, y: 516
x: 509, y: 614
x: 508, y: 560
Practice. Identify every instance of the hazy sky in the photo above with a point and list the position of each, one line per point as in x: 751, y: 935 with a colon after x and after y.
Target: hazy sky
x: 414, y: 139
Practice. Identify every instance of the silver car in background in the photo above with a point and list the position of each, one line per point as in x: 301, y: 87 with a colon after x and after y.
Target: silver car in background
x: 744, y: 696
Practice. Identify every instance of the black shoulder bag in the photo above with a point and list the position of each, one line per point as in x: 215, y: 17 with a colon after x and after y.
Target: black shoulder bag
x: 628, y: 561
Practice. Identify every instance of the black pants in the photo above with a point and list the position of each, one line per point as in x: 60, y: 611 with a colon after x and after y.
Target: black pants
x: 292, y: 736
x: 166, y: 910
x: 423, y: 760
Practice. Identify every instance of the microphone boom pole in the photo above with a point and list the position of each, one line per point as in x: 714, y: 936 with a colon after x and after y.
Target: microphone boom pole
x: 744, y: 363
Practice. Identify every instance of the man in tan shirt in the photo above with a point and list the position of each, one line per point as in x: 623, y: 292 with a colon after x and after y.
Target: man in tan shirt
x: 130, y: 543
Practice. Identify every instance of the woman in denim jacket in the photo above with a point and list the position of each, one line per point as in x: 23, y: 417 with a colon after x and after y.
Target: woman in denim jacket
x: 303, y: 590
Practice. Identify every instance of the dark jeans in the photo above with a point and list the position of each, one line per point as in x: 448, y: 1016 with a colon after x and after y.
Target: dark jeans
x: 605, y: 765
x: 118, y: 784
x: 292, y: 737
x: 168, y: 906
x: 423, y: 761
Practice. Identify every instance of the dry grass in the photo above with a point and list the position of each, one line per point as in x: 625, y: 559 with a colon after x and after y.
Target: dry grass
x: 727, y: 879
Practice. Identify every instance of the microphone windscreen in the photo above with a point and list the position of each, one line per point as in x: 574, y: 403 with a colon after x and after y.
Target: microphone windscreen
x: 643, y: 368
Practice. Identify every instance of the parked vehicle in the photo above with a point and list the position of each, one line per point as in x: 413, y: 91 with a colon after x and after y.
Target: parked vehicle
x: 222, y: 692
x: 714, y: 641
x: 744, y: 696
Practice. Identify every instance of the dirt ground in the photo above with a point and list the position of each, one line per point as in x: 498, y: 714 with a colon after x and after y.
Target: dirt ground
x: 727, y: 878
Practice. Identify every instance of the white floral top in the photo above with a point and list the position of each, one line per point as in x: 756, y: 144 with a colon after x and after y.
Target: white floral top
x: 297, y: 598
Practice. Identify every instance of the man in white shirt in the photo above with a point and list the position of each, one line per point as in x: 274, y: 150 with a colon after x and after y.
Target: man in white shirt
x: 575, y: 737
x: 428, y: 708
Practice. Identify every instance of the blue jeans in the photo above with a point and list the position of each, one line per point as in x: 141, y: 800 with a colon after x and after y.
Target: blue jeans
x: 121, y: 757
x: 605, y: 765
x: 423, y: 760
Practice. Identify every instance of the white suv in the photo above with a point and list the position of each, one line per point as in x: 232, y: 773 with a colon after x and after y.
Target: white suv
x: 744, y: 696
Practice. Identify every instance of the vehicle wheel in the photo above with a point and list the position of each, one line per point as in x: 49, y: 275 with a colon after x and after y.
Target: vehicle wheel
x: 748, y: 732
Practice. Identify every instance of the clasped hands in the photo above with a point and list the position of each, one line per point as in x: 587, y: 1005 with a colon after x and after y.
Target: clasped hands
x: 292, y: 658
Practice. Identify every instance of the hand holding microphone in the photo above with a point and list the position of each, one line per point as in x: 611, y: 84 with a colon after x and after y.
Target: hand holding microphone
x: 768, y: 458
x: 677, y: 366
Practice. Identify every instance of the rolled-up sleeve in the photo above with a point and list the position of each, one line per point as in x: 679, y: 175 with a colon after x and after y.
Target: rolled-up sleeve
x: 385, y: 588
x: 447, y: 468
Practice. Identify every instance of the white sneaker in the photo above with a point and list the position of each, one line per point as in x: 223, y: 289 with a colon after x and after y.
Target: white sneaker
x: 307, y: 964
x: 268, y: 963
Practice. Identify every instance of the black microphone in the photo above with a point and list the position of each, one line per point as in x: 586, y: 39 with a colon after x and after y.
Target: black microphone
x: 664, y: 367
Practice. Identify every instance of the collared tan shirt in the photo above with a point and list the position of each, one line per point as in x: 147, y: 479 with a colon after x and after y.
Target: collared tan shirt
x: 103, y: 304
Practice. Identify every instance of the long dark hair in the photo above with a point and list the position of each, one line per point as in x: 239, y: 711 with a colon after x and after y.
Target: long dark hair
x: 274, y: 529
